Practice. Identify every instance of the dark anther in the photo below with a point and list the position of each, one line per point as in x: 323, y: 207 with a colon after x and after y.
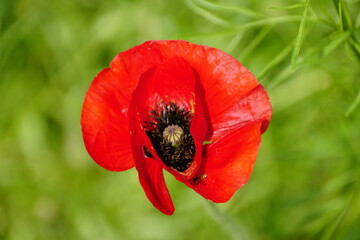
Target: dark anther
x: 147, y: 153
x: 169, y: 133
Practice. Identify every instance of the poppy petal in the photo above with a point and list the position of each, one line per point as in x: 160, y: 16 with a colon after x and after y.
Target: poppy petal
x: 149, y: 169
x: 229, y: 163
x: 104, y: 117
x: 104, y: 123
x: 153, y: 183
x: 255, y: 105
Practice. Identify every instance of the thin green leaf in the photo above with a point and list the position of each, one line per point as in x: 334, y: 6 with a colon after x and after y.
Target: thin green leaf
x: 225, y: 32
x: 346, y: 14
x: 300, y: 37
x: 357, y: 21
x: 253, y: 24
x: 256, y: 41
x: 334, y: 42
x: 207, y: 15
x: 273, y: 20
x: 353, y: 105
x: 234, y: 42
x: 355, y: 44
x: 355, y: 47
x: 324, y: 10
x: 341, y: 24
x: 228, y: 8
x: 312, y: 12
x: 326, y: 21
x: 276, y: 60
x: 321, y: 49
x: 324, y: 47
x: 279, y: 78
x: 293, y: 6
x: 348, y: 207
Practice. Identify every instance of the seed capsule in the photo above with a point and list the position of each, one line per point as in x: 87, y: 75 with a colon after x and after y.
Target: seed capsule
x: 172, y: 134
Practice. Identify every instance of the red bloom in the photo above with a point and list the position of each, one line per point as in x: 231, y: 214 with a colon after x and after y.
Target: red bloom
x: 192, y: 110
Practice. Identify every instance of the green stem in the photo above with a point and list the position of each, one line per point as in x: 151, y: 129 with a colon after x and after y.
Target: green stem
x: 232, y: 226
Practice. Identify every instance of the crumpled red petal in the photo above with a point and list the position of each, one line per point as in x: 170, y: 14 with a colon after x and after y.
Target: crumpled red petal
x: 104, y: 122
x: 104, y: 118
x: 224, y: 177
x: 253, y: 106
x: 150, y: 170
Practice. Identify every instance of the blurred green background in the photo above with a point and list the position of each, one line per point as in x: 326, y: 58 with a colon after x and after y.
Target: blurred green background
x: 305, y: 184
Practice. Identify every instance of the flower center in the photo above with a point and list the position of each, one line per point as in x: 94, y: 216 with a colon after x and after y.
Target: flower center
x: 169, y: 132
x: 172, y: 134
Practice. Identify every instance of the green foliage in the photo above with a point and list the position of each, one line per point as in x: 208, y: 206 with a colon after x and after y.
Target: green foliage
x: 305, y: 184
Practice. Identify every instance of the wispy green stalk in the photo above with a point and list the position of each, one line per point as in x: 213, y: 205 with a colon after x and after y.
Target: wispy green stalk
x: 350, y: 201
x: 335, y: 41
x: 341, y: 25
x: 228, y: 8
x: 300, y: 36
x: 274, y: 20
x: 353, y: 105
x: 207, y: 15
x: 320, y: 50
x: 256, y: 41
x: 276, y: 60
x: 356, y: 46
x: 292, y: 6
x: 224, y: 220
x: 346, y: 14
x: 234, y: 42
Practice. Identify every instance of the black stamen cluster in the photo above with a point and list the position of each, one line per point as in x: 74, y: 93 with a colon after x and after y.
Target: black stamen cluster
x: 177, y: 156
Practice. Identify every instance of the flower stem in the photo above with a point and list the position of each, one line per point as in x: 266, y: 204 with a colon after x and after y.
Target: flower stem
x: 231, y: 226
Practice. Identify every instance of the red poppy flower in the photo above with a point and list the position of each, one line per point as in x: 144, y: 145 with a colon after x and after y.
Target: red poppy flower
x: 192, y: 110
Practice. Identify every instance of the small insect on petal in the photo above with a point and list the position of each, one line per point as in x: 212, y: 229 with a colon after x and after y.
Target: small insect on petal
x: 199, y: 178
